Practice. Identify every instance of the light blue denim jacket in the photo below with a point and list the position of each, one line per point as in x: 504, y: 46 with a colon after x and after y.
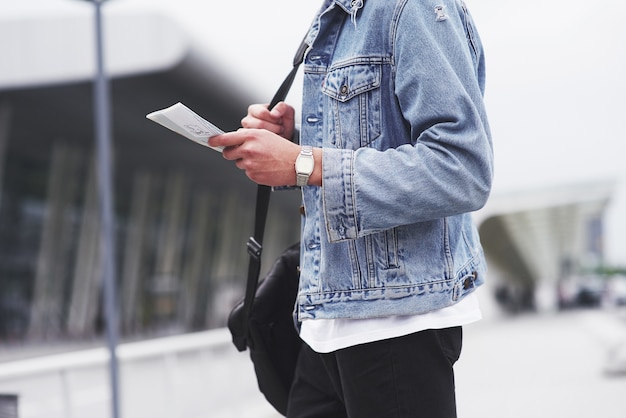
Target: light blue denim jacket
x: 393, y: 92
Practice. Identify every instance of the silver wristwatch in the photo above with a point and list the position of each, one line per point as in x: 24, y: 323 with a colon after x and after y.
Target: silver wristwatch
x: 304, y: 165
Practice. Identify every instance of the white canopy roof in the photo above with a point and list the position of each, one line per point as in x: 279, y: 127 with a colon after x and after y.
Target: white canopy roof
x: 50, y: 42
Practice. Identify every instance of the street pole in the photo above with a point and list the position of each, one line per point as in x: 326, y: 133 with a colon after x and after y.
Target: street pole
x: 106, y: 198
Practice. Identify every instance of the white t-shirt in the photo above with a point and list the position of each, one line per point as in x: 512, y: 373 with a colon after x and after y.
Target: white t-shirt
x: 327, y: 335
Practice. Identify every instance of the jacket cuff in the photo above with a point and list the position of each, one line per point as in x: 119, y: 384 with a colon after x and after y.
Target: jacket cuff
x: 338, y: 194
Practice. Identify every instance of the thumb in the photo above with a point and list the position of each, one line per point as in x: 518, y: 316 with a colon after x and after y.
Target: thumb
x: 282, y: 110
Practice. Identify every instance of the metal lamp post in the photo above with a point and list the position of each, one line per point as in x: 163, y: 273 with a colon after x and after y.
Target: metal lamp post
x: 106, y: 199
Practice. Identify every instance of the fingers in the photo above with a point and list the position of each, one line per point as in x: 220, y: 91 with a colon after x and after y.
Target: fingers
x: 228, y: 140
x: 282, y: 110
x: 286, y: 114
x: 238, y: 144
x: 259, y: 117
x: 279, y: 120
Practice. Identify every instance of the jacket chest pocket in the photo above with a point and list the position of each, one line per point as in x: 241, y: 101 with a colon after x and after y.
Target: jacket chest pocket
x: 354, y: 96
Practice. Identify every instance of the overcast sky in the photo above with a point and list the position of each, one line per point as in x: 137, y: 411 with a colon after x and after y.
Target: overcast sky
x: 556, y: 96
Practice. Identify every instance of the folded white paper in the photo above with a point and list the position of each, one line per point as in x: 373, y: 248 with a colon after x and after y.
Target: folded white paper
x: 184, y: 121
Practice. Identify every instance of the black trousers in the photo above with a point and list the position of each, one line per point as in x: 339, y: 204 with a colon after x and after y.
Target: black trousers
x: 404, y: 377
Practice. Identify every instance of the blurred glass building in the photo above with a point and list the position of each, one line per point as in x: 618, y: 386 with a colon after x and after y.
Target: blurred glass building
x: 183, y: 213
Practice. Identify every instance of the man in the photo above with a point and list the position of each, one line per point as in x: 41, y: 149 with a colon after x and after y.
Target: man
x: 395, y: 153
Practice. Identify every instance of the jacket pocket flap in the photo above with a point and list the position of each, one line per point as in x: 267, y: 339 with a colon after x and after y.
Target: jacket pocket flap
x: 346, y: 82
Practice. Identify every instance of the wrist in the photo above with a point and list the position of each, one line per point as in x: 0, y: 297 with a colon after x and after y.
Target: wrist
x: 315, y: 179
x: 315, y: 176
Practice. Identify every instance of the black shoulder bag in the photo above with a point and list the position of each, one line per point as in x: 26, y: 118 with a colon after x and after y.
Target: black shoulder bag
x: 263, y: 322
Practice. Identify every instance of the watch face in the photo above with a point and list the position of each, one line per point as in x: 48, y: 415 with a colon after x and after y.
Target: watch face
x: 304, y: 165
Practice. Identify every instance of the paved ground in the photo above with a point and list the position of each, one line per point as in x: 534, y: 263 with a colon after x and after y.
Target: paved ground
x: 544, y: 366
x: 539, y: 366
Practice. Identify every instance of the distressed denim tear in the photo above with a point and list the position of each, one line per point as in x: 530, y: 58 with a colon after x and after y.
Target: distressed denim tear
x: 440, y: 13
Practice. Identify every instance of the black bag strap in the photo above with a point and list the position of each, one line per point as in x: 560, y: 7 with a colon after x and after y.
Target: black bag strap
x: 255, y: 242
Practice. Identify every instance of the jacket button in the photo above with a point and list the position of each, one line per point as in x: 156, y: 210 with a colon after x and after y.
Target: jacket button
x: 344, y: 90
x: 467, y: 283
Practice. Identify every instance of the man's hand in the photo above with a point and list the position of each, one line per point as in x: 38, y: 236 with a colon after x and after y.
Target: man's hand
x: 263, y: 147
x: 266, y: 157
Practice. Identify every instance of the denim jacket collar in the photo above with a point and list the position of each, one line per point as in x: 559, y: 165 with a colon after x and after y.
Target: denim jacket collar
x: 349, y: 6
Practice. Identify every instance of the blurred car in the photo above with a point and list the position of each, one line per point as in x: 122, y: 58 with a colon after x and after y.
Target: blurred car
x: 581, y: 291
x: 616, y: 291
